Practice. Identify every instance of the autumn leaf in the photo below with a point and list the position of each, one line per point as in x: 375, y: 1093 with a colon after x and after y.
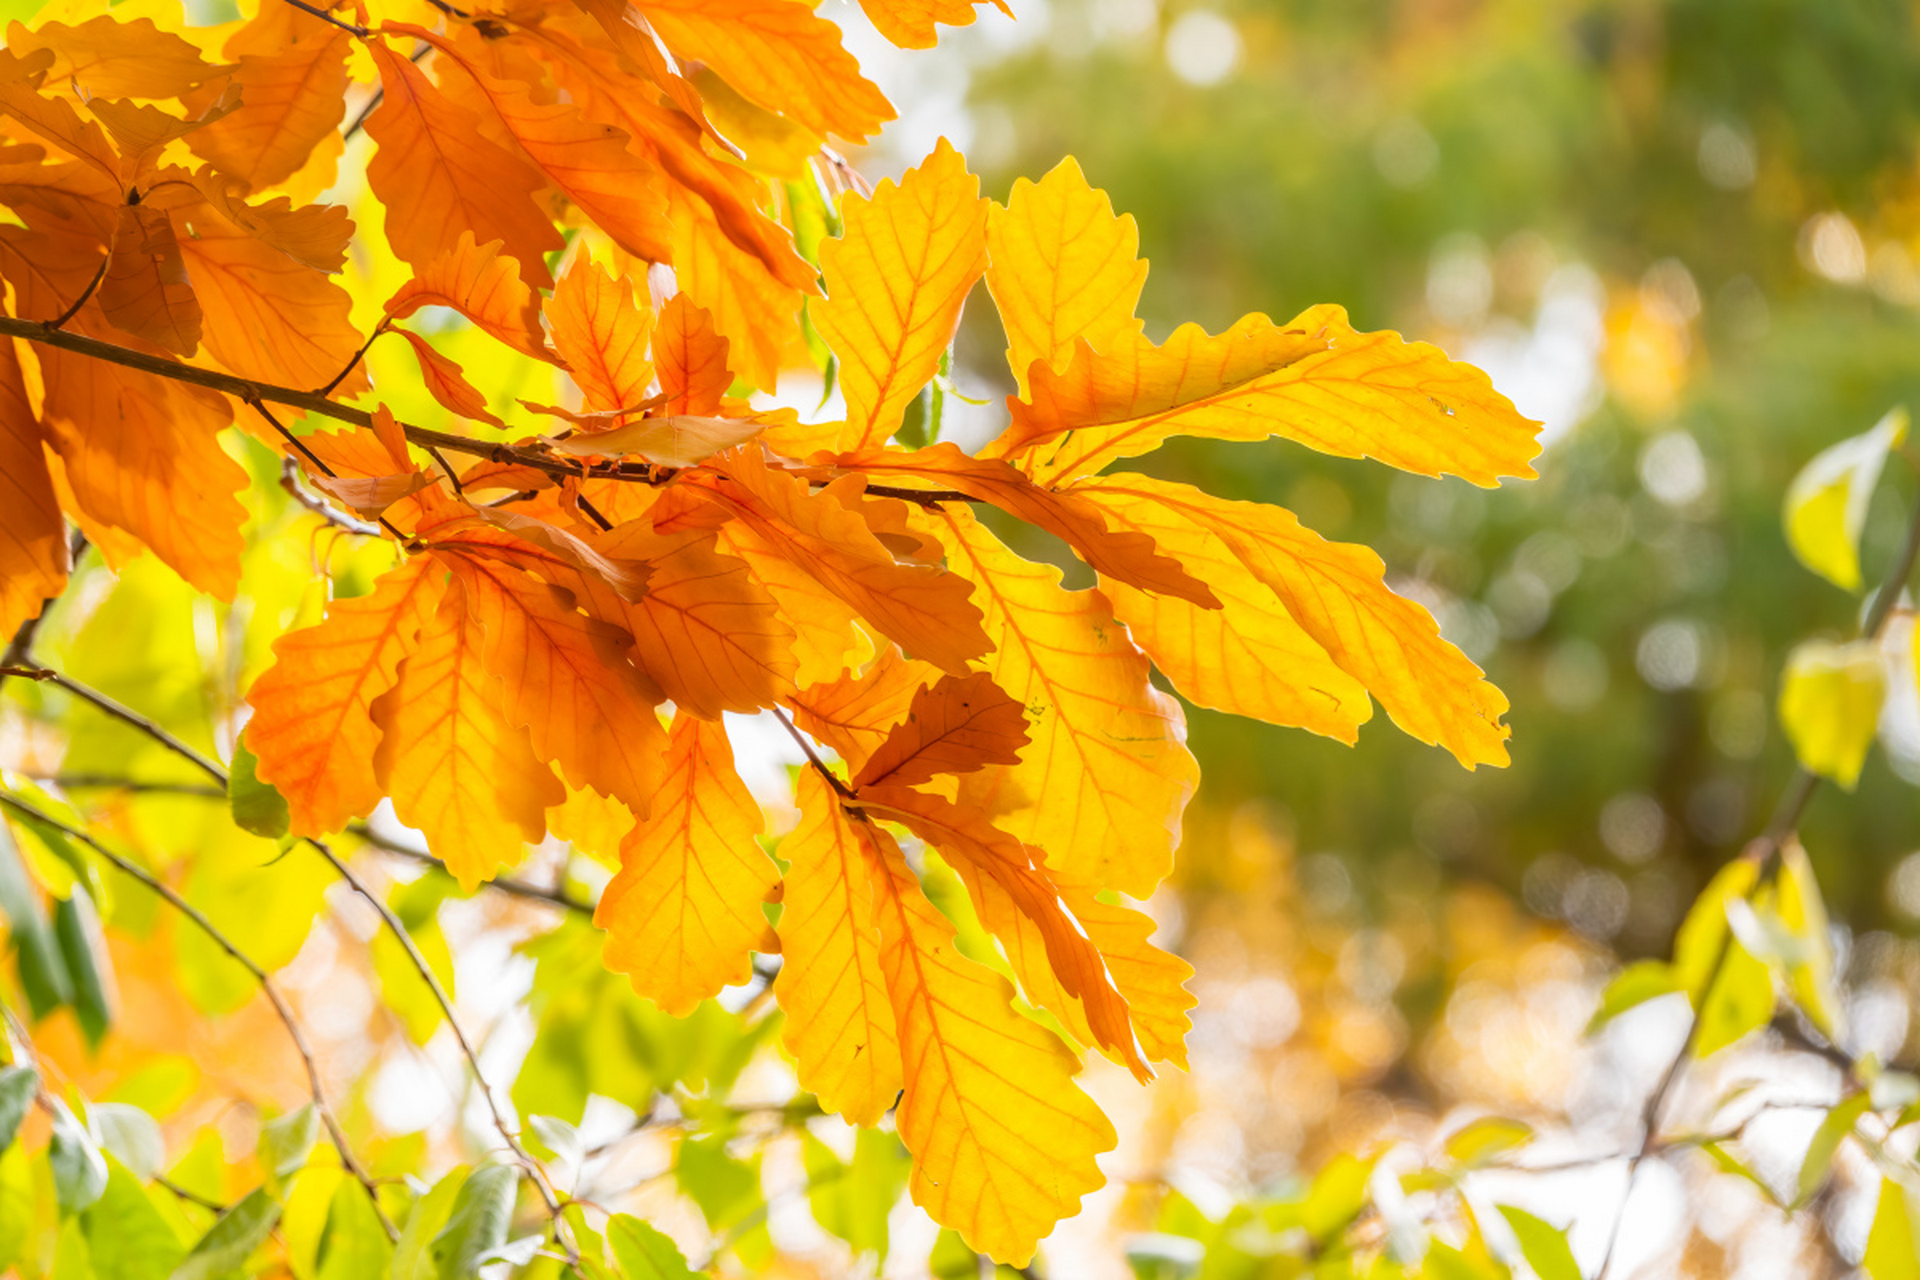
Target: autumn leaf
x: 1001, y: 1151
x: 292, y: 95
x: 683, y: 916
x: 439, y: 178
x: 482, y: 284
x: 855, y: 713
x: 839, y: 1016
x: 691, y: 358
x: 1062, y: 268
x: 146, y: 290
x: 895, y: 283
x: 114, y: 57
x: 1336, y: 594
x: 923, y: 608
x: 567, y: 681
x: 447, y: 382
x: 33, y: 538
x: 751, y: 307
x: 1153, y: 981
x: 602, y: 332
x: 911, y: 23
x: 958, y: 725
x: 312, y: 726
x: 313, y: 235
x: 53, y: 119
x: 1108, y: 770
x: 457, y: 771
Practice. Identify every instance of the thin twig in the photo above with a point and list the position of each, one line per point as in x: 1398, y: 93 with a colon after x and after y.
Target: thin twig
x: 536, y: 1172
x: 120, y: 711
x: 326, y: 17
x: 813, y: 757
x: 260, y: 976
x: 59, y: 321
x: 290, y: 481
x: 109, y: 782
x: 503, y: 884
x: 358, y: 356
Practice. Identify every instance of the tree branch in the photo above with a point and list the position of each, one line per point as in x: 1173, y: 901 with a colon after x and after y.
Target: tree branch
x: 503, y: 884
x: 260, y: 976
x: 121, y: 712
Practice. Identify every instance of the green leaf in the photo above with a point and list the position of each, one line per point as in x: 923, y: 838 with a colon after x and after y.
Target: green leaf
x: 1696, y: 947
x: 18, y: 1085
x: 1826, y: 504
x: 353, y: 1245
x: 1486, y: 1140
x: 285, y: 1142
x: 232, y: 1239
x: 1830, y: 701
x: 412, y: 1257
x: 130, y: 1136
x: 726, y: 1189
x: 1826, y: 1142
x: 643, y: 1253
x: 257, y: 806
x: 1542, y: 1244
x: 1741, y: 1002
x: 1893, y: 1247
x: 43, y: 973
x: 477, y: 1223
x: 853, y: 1200
x: 79, y: 1168
x: 126, y: 1236
x: 1338, y: 1193
x: 1730, y: 1163
x: 1639, y: 982
x: 76, y: 929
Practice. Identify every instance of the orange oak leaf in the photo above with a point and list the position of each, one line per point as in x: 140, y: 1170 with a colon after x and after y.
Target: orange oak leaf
x: 440, y: 179
x: 826, y: 638
x: 567, y: 679
x: 895, y: 284
x: 753, y: 309
x: 1108, y: 771
x: 781, y: 55
x: 683, y: 916
x: 1126, y: 554
x: 601, y: 331
x: 855, y: 713
x: 1335, y: 592
x: 1062, y: 268
x: 961, y: 724
x: 706, y: 631
x: 911, y: 23
x: 839, y: 1023
x: 370, y: 496
x: 266, y: 316
x: 113, y: 57
x: 446, y: 382
x: 691, y: 358
x: 482, y: 284
x: 53, y: 119
x: 146, y: 291
x: 313, y: 235
x: 1153, y: 981
x: 292, y: 95
x: 677, y: 440
x: 312, y: 728
x: 588, y: 161
x: 1003, y: 1140
x: 457, y: 771
x: 1247, y: 658
x: 1020, y: 903
x: 924, y: 609
x: 1315, y: 380
x: 33, y: 538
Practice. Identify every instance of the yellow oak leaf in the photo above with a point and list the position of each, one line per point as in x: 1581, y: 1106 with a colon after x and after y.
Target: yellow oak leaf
x: 839, y: 1017
x: 895, y: 284
x: 1062, y: 268
x: 440, y: 179
x: 1153, y: 981
x: 924, y: 609
x: 312, y: 728
x: 593, y: 824
x: 691, y: 357
x: 1247, y: 658
x: 567, y: 679
x: 1108, y: 773
x: 1315, y: 380
x: 911, y: 23
x: 958, y: 725
x: 457, y: 771
x: 602, y: 332
x: 826, y: 637
x: 146, y: 291
x: 33, y: 537
x: 683, y: 915
x: 1336, y: 592
x: 482, y: 284
x: 1003, y: 1140
x: 753, y: 309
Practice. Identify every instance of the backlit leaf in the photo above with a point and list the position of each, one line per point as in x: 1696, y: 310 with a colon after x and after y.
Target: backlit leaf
x: 956, y: 726
x: 1826, y: 505
x: 1830, y: 697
